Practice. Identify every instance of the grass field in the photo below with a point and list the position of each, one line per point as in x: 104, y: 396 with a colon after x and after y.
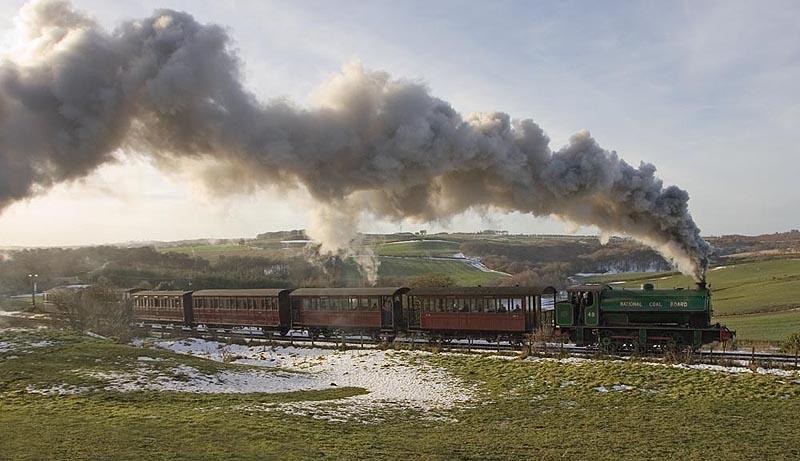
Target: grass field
x: 419, y: 248
x: 213, y: 252
x: 772, y: 326
x: 760, y: 299
x: 520, y: 410
x: 393, y: 262
x: 463, y: 274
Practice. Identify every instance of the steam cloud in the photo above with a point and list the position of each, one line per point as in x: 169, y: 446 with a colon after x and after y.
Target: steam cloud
x: 170, y: 87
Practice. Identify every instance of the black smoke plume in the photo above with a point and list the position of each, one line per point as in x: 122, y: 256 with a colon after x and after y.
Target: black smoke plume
x: 170, y: 87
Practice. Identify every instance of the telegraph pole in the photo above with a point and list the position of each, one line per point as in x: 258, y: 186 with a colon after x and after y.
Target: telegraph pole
x: 34, y: 278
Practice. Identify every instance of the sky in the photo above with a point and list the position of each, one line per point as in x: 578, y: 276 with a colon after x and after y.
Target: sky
x: 706, y: 91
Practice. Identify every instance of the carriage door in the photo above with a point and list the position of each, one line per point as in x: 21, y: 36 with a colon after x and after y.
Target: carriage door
x: 530, y: 313
x: 387, y: 314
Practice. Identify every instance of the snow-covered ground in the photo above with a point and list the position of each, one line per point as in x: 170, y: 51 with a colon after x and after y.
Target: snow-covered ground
x: 22, y: 345
x: 390, y: 379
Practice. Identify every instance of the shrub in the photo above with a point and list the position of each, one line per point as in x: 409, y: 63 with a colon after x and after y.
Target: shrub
x: 792, y: 343
x: 97, y: 308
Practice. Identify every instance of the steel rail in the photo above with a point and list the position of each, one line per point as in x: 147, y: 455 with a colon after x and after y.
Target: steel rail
x: 461, y: 345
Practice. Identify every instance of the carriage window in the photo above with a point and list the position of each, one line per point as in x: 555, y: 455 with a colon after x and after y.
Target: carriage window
x: 589, y: 298
x: 517, y: 305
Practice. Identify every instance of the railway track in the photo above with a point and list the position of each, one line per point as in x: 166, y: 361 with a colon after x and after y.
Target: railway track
x: 704, y: 356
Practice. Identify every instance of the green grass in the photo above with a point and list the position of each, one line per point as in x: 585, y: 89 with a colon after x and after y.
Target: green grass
x: 18, y: 304
x: 463, y: 274
x: 419, y: 248
x: 771, y: 326
x: 521, y: 410
x: 213, y: 252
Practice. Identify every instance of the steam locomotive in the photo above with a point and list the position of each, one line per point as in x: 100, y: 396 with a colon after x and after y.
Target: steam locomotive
x: 638, y: 319
x: 590, y: 315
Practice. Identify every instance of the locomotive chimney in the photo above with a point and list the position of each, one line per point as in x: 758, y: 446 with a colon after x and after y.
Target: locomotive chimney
x: 701, y: 285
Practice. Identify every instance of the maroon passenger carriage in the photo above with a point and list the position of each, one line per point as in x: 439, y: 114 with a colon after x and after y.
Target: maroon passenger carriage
x: 373, y: 311
x: 263, y: 308
x: 495, y: 313
x: 163, y: 307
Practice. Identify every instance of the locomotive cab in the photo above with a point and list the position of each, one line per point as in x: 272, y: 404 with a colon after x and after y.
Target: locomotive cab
x: 581, y: 309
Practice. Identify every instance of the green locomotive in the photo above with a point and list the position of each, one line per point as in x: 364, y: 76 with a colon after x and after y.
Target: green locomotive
x: 639, y: 319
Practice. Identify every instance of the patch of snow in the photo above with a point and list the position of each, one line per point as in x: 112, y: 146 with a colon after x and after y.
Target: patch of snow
x: 391, y: 381
x: 621, y: 387
x: 95, y: 335
x: 62, y: 389
x: 400, y: 242
x: 739, y: 369
x: 23, y: 314
x: 184, y: 378
x: 148, y: 359
x: 614, y: 388
x: 21, y: 346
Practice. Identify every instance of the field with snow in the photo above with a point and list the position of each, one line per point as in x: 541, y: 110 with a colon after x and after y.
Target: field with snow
x: 69, y: 395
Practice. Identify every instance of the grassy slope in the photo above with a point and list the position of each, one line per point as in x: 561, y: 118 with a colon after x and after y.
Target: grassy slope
x: 213, y: 252
x: 759, y: 299
x: 463, y: 274
x: 419, y: 248
x: 523, y: 410
x: 772, y: 326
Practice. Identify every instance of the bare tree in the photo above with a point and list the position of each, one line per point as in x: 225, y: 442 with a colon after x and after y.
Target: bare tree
x: 97, y: 308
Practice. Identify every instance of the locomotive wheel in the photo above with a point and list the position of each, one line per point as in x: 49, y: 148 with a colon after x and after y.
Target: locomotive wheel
x: 607, y: 345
